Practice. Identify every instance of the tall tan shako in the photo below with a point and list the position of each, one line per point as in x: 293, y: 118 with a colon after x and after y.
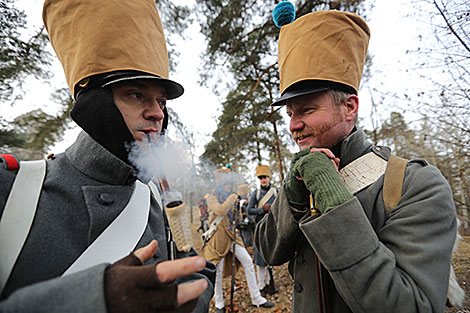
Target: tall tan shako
x: 263, y: 170
x: 319, y: 51
x: 113, y: 39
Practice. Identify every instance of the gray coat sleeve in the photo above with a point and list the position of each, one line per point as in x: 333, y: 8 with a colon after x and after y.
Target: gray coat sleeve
x: 252, y: 205
x: 277, y: 233
x: 79, y: 292
x: 204, y: 300
x: 405, y: 266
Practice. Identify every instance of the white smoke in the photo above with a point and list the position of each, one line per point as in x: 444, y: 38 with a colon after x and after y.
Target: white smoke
x: 160, y: 159
x: 166, y: 159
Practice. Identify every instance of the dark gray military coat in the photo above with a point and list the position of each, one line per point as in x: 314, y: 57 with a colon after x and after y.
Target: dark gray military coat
x: 84, y: 190
x: 373, y: 263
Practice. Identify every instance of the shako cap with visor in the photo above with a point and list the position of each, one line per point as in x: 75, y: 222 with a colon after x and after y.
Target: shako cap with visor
x: 322, y: 50
x: 114, y: 40
x: 263, y: 170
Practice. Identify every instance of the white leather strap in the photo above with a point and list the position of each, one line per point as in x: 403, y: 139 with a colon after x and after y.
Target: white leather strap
x: 121, y: 236
x: 156, y: 194
x: 18, y: 214
x: 207, y: 235
x: 362, y: 172
x: 267, y: 196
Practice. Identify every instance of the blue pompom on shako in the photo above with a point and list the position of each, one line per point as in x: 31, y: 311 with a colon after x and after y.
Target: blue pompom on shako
x: 283, y: 13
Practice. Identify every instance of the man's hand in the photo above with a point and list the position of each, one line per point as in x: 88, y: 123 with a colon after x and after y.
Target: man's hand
x: 133, y: 287
x: 266, y: 207
x: 296, y: 192
x: 329, y: 154
x: 319, y: 171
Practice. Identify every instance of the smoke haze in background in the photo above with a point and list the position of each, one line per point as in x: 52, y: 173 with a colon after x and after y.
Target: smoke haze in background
x: 167, y: 159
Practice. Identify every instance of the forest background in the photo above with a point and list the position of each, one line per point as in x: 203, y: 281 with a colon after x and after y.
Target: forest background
x: 415, y: 94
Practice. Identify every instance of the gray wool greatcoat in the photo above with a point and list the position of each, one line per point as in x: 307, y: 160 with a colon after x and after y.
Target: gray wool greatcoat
x: 85, y: 188
x: 372, y: 263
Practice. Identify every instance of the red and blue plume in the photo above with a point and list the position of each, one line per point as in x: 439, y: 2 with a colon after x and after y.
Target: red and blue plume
x: 283, y: 13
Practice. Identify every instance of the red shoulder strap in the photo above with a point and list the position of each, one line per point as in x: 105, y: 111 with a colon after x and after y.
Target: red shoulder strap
x: 10, y: 162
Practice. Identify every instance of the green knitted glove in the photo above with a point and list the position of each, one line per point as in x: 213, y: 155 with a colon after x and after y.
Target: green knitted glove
x: 296, y: 192
x: 322, y: 180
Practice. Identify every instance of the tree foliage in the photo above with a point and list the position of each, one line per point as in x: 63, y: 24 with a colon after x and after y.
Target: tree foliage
x: 35, y: 132
x: 242, y: 45
x: 449, y: 53
x: 175, y: 19
x: 433, y: 123
x: 32, y: 134
x: 19, y: 58
x: 437, y: 146
x: 446, y: 103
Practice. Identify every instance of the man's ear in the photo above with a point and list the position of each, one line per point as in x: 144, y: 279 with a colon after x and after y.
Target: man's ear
x: 352, y: 106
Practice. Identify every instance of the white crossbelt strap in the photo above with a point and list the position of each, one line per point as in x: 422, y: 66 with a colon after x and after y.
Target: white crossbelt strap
x: 156, y: 194
x: 362, y: 172
x: 207, y: 235
x: 121, y: 236
x: 18, y: 214
x: 267, y: 196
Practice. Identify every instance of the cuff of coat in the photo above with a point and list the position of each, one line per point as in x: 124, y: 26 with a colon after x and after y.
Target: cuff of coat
x: 82, y: 291
x: 342, y: 237
x: 286, y: 219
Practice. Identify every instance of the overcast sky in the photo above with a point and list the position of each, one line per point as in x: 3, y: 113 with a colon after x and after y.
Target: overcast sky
x: 392, y: 34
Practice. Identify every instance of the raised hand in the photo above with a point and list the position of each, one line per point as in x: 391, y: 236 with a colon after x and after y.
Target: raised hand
x: 133, y: 287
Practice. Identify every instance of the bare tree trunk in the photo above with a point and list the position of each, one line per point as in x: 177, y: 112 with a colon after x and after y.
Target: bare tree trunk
x: 277, y: 149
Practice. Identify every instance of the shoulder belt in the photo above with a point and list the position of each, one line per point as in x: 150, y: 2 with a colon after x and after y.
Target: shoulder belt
x: 20, y: 209
x: 18, y: 214
x: 393, y: 182
x: 392, y: 192
x: 365, y: 170
x: 267, y: 196
x: 126, y: 230
x: 362, y: 172
x: 207, y: 235
x: 156, y: 194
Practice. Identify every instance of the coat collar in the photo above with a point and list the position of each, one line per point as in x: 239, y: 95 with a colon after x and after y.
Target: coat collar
x: 92, y: 159
x: 353, y: 146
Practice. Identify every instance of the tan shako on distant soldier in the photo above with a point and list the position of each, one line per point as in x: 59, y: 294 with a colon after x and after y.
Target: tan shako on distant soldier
x: 359, y: 236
